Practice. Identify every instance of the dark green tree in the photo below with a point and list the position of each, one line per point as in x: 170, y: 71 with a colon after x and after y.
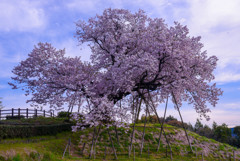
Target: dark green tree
x: 214, y: 125
x: 222, y: 133
x: 236, y: 131
x: 198, y: 125
x: 170, y: 118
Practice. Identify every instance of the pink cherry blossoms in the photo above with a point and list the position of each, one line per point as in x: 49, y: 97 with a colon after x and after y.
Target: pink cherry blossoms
x: 134, y: 59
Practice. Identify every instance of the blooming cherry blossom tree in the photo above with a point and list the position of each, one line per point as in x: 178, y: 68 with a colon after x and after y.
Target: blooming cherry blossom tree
x: 134, y: 59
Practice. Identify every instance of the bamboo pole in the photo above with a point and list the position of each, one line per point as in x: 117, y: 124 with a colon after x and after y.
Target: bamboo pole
x: 182, y: 122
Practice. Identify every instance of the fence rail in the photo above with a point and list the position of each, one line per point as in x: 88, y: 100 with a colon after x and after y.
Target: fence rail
x: 24, y: 113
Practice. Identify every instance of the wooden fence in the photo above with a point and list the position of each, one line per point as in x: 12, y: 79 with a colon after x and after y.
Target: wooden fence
x: 24, y: 113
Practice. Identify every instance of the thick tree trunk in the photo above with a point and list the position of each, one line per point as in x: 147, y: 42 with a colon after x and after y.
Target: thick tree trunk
x: 144, y: 129
x: 182, y: 122
x: 160, y: 135
x: 114, y: 150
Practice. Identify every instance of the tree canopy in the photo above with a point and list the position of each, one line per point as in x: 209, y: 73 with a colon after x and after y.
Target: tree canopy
x: 136, y: 61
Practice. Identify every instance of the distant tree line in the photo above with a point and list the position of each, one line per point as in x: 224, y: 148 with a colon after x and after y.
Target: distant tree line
x: 219, y: 133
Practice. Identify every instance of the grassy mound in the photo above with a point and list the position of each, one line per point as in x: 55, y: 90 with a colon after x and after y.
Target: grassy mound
x: 52, y: 147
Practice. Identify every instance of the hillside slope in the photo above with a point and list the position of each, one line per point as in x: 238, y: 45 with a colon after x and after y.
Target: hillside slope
x: 52, y: 148
x: 209, y: 148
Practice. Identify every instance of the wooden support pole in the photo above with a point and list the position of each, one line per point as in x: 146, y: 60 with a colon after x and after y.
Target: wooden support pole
x: 162, y: 125
x: 35, y: 112
x: 44, y: 113
x: 12, y: 112
x: 196, y: 151
x: 145, y: 121
x: 91, y: 151
x: 133, y: 153
x: 114, y: 150
x: 234, y: 156
x: 182, y: 122
x: 116, y: 132
x: 133, y: 134
x: 27, y: 113
x: 155, y: 111
x: 129, y: 153
x: 105, y: 152
x: 202, y: 157
x: 166, y: 152
x: 148, y: 152
x: 84, y: 144
x: 69, y: 145
x: 18, y: 113
x: 0, y: 115
x: 163, y: 130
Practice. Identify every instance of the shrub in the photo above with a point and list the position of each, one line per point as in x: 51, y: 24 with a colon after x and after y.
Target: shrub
x: 63, y: 114
x: 23, y: 131
x: 9, y: 117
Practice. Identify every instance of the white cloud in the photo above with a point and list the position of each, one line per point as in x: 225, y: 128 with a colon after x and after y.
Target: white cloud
x: 226, y: 77
x: 207, y: 14
x: 218, y: 22
x: 21, y: 15
x: 72, y: 49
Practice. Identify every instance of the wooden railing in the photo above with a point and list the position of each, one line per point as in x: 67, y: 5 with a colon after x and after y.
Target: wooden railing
x: 24, y: 113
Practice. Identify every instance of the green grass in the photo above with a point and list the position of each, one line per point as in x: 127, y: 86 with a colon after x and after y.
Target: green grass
x: 51, y: 147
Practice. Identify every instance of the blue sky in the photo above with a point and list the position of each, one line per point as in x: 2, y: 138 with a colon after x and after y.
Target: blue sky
x: 24, y: 23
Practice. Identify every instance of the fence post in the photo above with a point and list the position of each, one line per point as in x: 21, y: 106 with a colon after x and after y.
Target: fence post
x: 18, y: 113
x: 27, y: 113
x: 51, y: 114
x: 35, y: 112
x: 43, y: 113
x: 0, y: 115
x: 12, y: 112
